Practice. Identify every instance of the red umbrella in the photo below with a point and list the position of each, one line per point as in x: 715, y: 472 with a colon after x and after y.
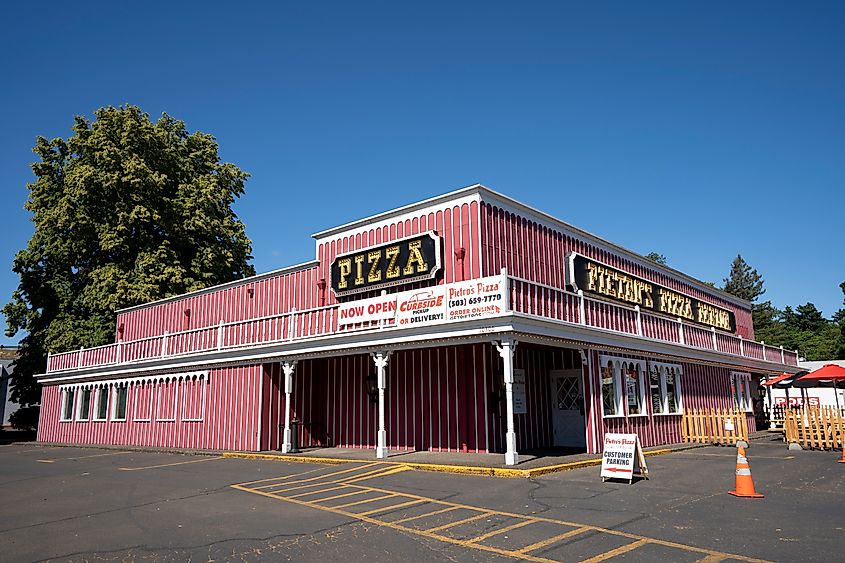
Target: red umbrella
x: 778, y: 379
x: 828, y: 371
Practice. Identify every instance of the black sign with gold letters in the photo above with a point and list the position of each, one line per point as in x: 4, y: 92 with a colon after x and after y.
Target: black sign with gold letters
x: 596, y: 278
x: 395, y: 263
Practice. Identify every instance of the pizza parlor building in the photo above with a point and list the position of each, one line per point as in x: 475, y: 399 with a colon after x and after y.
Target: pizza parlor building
x: 466, y: 322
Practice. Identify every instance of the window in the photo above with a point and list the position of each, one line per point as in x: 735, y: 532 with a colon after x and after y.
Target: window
x: 634, y: 392
x: 67, y: 407
x: 119, y: 403
x: 609, y: 389
x: 101, y: 412
x: 84, y: 404
x: 665, y: 388
x: 741, y: 390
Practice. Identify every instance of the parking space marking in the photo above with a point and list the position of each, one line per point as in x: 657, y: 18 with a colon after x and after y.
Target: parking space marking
x: 618, y: 551
x: 504, y: 530
x: 169, y: 464
x: 554, y: 539
x: 344, y: 480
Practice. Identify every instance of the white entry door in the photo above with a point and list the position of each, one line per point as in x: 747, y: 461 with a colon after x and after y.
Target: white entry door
x: 568, y: 408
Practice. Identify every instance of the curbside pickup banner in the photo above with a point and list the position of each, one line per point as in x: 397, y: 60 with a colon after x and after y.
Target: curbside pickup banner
x: 459, y: 301
x: 623, y: 457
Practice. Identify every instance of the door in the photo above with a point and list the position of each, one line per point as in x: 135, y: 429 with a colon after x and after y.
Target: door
x: 568, y: 409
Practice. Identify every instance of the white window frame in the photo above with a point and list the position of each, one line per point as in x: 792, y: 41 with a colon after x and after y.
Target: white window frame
x: 162, y: 384
x: 80, y: 402
x: 203, y: 381
x: 618, y: 384
x: 663, y: 369
x: 68, y: 416
x: 741, y: 390
x: 115, y: 393
x: 643, y: 374
x: 98, y: 396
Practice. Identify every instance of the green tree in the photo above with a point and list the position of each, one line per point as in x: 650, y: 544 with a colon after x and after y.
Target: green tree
x: 839, y: 319
x: 744, y: 281
x: 656, y: 257
x: 126, y: 211
x: 805, y: 329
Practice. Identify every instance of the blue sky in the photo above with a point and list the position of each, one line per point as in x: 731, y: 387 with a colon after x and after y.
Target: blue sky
x: 695, y: 130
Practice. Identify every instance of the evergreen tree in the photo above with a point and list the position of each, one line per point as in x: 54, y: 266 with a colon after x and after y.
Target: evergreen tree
x: 744, y: 281
x: 656, y: 257
x: 126, y: 211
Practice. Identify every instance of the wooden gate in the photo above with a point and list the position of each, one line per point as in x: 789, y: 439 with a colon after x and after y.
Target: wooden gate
x: 815, y: 428
x: 714, y: 426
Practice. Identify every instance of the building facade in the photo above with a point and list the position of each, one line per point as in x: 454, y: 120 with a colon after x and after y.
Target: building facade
x: 466, y: 322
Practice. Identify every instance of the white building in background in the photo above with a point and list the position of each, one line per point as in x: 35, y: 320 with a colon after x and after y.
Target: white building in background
x: 815, y: 396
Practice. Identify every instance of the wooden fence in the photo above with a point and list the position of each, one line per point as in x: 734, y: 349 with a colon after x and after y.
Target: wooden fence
x: 817, y: 428
x: 714, y: 426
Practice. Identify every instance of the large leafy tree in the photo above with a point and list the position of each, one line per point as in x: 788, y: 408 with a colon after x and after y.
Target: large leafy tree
x: 126, y: 211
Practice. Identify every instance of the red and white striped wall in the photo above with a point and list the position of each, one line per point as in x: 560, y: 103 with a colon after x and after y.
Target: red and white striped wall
x: 536, y: 251
x: 218, y: 410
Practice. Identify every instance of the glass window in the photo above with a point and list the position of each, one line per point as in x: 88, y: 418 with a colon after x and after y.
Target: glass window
x: 84, y: 404
x: 741, y: 390
x: 665, y: 388
x: 119, y: 403
x: 672, y: 398
x: 633, y: 388
x: 655, y: 387
x: 102, y: 403
x: 609, y: 390
x: 67, y: 410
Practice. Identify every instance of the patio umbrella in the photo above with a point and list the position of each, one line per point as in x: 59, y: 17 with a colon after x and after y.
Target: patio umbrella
x: 828, y: 372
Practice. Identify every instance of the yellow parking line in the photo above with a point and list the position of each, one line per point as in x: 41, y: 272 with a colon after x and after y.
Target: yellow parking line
x: 318, y: 477
x: 441, y: 511
x: 169, y: 464
x: 502, y: 530
x: 300, y: 495
x: 553, y: 539
x: 618, y: 551
x: 390, y: 471
x: 342, y: 495
x: 711, y: 559
x: 391, y: 507
x: 459, y: 522
x: 365, y: 501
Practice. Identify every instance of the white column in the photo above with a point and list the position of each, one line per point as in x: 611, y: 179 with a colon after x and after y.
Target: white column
x: 380, y: 360
x: 639, y: 320
x: 287, y: 370
x: 506, y: 349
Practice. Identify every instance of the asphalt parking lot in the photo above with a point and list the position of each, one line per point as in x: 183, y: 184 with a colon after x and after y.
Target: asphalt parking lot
x: 75, y: 504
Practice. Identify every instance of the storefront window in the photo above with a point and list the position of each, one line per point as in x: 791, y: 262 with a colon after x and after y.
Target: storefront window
x: 656, y: 393
x: 741, y: 390
x: 102, y: 403
x: 633, y: 388
x: 84, y: 404
x: 67, y: 411
x: 120, y: 403
x: 665, y: 387
x: 609, y: 390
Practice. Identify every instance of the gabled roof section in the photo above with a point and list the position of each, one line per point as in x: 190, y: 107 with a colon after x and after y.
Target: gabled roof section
x: 491, y: 196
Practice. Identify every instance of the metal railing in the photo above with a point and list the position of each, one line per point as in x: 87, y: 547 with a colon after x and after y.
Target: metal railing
x: 526, y: 297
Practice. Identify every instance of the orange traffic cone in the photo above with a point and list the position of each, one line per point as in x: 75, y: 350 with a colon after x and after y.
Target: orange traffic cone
x: 744, y: 483
x: 843, y: 454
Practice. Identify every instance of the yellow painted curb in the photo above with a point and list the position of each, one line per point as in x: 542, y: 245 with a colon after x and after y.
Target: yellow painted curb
x: 437, y: 467
x: 293, y: 458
